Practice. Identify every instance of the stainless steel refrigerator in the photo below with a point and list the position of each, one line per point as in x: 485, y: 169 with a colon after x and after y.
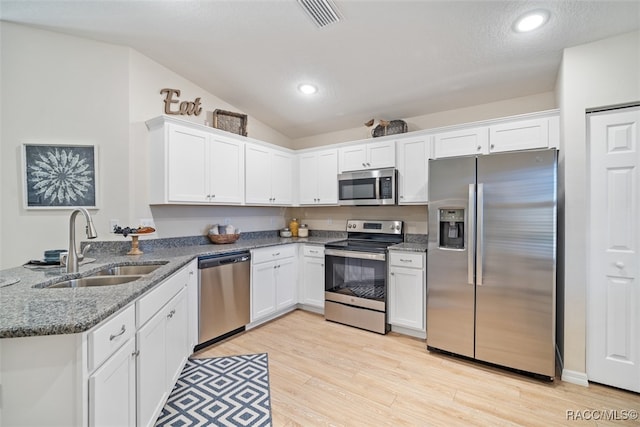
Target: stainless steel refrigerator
x: 491, y: 264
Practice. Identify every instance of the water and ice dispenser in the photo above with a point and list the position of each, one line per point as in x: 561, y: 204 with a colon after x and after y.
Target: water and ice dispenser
x: 451, y: 228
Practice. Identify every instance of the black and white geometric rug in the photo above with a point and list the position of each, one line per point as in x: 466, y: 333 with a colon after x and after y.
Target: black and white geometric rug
x: 223, y: 391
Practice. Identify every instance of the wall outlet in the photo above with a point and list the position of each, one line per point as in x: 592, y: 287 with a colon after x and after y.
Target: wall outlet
x: 147, y: 222
x: 227, y: 221
x: 112, y: 224
x: 329, y: 221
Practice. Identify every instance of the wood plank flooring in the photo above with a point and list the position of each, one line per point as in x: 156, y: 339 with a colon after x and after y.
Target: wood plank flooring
x: 326, y: 374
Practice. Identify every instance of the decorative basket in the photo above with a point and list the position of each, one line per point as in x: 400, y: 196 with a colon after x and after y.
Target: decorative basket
x: 221, y: 239
x: 394, y: 127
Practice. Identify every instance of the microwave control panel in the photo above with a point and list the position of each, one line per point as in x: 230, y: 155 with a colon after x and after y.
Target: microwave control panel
x: 386, y: 188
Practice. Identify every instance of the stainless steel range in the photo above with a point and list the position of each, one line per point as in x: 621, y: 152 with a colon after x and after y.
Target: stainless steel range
x: 356, y: 274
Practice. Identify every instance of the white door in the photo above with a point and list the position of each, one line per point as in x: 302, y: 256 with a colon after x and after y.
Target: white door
x: 177, y: 336
x: 327, y: 177
x: 413, y: 170
x: 381, y: 155
x: 112, y: 390
x: 263, y: 290
x: 226, y: 168
x: 257, y: 174
x: 308, y: 192
x: 353, y: 158
x: 313, y: 281
x: 406, y: 298
x: 151, y: 370
x: 187, y: 157
x: 281, y: 178
x: 613, y: 311
x: 285, y: 273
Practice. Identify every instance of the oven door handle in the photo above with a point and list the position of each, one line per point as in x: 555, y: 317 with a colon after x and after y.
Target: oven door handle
x: 354, y: 254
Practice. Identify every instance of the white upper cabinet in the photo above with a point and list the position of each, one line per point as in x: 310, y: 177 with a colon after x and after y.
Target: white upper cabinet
x: 524, y: 135
x: 318, y: 177
x: 269, y: 176
x: 463, y: 142
x: 372, y: 155
x: 413, y: 169
x: 542, y: 131
x: 189, y: 165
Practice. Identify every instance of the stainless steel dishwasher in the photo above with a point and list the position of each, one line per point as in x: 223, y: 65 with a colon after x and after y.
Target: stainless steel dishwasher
x: 223, y: 295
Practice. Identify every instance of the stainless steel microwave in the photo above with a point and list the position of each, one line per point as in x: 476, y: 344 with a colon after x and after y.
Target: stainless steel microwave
x: 368, y: 188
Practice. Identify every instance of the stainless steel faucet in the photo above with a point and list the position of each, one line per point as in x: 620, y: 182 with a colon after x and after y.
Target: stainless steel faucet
x: 73, y: 257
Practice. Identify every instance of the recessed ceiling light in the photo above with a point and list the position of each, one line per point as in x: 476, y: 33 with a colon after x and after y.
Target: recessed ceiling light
x: 307, y: 89
x: 531, y: 21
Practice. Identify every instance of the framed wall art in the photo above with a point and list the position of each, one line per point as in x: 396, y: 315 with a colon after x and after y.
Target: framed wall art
x: 230, y: 122
x: 57, y: 176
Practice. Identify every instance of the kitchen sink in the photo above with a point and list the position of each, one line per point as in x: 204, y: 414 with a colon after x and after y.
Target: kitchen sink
x: 84, y: 282
x: 127, y: 270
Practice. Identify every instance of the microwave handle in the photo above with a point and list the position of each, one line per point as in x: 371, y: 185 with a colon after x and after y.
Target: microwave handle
x: 378, y: 185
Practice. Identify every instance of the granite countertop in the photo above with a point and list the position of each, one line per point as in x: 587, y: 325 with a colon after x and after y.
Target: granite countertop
x: 28, y: 308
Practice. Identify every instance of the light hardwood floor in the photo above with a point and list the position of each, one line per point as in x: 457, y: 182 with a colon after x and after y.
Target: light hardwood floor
x: 323, y: 373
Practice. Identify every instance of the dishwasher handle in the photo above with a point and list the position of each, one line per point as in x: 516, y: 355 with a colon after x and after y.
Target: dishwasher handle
x: 218, y: 260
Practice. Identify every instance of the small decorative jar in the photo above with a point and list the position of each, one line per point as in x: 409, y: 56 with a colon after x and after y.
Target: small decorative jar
x: 285, y: 232
x: 303, y: 231
x: 293, y: 226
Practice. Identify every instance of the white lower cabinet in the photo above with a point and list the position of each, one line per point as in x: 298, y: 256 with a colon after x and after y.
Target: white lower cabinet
x: 112, y: 390
x: 407, y: 290
x: 312, y: 276
x: 162, y: 346
x: 192, y: 303
x: 273, y: 281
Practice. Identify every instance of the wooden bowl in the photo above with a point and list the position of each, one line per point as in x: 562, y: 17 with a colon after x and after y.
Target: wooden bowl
x: 221, y: 239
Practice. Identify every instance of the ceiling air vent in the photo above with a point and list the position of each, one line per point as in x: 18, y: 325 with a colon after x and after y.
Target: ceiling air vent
x: 323, y: 12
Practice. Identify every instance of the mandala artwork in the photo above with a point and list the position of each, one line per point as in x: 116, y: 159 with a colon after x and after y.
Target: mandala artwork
x: 60, y: 176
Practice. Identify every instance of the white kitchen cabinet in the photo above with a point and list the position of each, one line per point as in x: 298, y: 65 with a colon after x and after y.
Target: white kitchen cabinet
x: 268, y: 177
x: 112, y: 390
x: 162, y: 346
x: 318, y: 177
x: 372, y: 155
x: 273, y: 281
x: 524, y: 135
x: 413, y: 170
x: 312, y: 276
x: 462, y: 142
x: 407, y: 290
x: 191, y: 165
x: 192, y: 303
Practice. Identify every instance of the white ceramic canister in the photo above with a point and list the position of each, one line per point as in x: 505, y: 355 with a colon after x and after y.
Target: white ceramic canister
x: 303, y: 231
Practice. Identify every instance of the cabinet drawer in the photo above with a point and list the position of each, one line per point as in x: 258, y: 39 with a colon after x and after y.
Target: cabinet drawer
x: 314, y: 251
x: 149, y: 304
x: 110, y: 336
x: 406, y: 259
x: 273, y: 253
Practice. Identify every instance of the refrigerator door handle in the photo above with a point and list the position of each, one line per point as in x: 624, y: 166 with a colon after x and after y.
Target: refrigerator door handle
x: 471, y: 218
x: 480, y: 235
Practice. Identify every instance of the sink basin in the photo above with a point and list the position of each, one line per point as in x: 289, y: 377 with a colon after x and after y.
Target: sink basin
x: 95, y: 281
x: 127, y: 270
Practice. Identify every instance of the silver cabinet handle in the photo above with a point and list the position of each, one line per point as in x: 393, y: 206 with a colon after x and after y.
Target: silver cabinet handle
x: 392, y: 273
x: 405, y: 260
x: 275, y: 254
x: 479, y: 147
x: 620, y: 265
x: 114, y: 336
x: 368, y: 164
x: 171, y: 313
x: 493, y: 146
x: 135, y: 353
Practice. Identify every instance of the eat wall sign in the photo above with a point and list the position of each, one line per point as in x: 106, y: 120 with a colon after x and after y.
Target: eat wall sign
x: 189, y: 108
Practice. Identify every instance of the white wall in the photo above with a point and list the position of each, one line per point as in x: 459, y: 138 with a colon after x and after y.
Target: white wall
x: 507, y: 107
x: 59, y: 89
x: 593, y: 75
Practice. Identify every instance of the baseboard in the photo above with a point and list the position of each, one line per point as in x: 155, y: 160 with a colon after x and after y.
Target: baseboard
x: 575, y: 377
x: 407, y: 331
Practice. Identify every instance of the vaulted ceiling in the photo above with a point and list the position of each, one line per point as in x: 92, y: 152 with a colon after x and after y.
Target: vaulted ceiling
x: 388, y: 59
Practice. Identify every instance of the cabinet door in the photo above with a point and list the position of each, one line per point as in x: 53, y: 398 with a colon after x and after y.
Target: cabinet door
x: 381, y: 155
x: 407, y: 298
x: 281, y: 178
x: 285, y: 275
x: 413, y: 171
x: 353, y: 158
x: 257, y: 174
x: 313, y: 281
x: 263, y: 290
x: 462, y: 143
x: 112, y: 390
x: 176, y: 336
x: 520, y: 135
x: 327, y: 177
x: 308, y: 164
x: 151, y: 370
x: 187, y: 163
x: 226, y: 168
x: 192, y: 300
